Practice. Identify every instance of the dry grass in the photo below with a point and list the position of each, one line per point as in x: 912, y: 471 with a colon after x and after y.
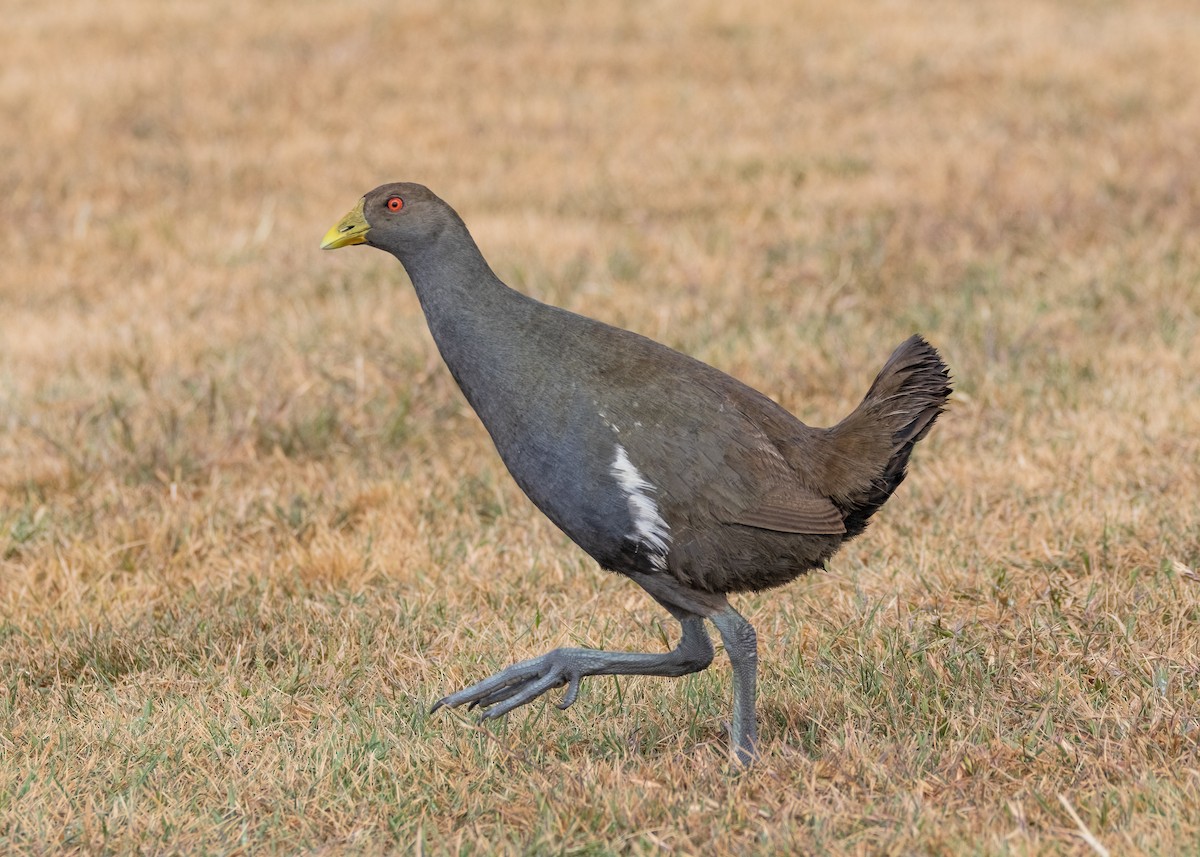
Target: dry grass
x: 249, y: 530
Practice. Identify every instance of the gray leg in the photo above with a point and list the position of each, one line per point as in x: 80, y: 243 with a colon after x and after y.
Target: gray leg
x: 527, y: 680
x: 741, y: 643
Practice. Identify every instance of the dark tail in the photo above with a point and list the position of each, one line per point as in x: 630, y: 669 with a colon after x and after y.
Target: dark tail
x: 873, y: 443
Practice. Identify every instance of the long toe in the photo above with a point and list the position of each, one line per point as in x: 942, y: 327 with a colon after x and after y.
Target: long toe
x: 572, y: 693
x: 528, y: 693
x: 502, y: 693
x: 514, y: 676
x: 519, y: 684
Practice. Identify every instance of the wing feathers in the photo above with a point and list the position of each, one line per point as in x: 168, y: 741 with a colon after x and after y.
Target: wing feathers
x: 791, y: 510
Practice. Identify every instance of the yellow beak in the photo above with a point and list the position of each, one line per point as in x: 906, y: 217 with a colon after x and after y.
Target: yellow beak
x: 351, y: 229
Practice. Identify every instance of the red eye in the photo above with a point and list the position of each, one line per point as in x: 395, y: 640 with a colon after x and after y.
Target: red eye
x: 395, y: 203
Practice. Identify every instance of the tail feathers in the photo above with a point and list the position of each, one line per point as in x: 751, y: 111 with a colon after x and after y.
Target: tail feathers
x: 874, y: 443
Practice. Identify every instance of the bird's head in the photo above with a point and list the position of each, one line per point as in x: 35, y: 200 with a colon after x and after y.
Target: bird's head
x: 400, y: 217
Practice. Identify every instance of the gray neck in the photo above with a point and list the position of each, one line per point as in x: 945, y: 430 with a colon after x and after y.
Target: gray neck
x: 475, y: 319
x: 452, y: 279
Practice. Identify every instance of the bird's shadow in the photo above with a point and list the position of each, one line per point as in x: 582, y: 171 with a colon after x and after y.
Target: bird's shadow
x: 786, y: 732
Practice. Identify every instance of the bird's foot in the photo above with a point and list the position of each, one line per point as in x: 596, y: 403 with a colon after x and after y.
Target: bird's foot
x: 744, y: 744
x: 521, y: 683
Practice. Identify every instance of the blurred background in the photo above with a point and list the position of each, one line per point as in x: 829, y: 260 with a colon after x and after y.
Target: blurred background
x: 216, y: 439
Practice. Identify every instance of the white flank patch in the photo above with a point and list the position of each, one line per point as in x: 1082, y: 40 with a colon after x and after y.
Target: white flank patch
x: 648, y: 525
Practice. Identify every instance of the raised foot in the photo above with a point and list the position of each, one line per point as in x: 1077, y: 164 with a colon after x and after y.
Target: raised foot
x: 521, y: 683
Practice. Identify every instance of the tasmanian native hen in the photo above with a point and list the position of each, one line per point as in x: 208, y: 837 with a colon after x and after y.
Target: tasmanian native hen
x: 660, y: 467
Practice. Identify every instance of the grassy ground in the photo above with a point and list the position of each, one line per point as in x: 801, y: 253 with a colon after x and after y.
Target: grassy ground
x: 249, y: 530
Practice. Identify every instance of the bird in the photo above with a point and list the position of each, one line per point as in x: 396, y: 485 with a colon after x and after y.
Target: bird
x: 662, y: 468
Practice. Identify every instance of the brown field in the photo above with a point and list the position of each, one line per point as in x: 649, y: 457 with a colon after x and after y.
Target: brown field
x: 250, y: 530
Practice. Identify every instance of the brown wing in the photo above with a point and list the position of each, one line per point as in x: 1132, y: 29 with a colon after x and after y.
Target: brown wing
x: 791, y: 509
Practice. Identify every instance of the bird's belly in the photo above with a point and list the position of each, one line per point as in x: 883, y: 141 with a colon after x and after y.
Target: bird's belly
x: 578, y: 498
